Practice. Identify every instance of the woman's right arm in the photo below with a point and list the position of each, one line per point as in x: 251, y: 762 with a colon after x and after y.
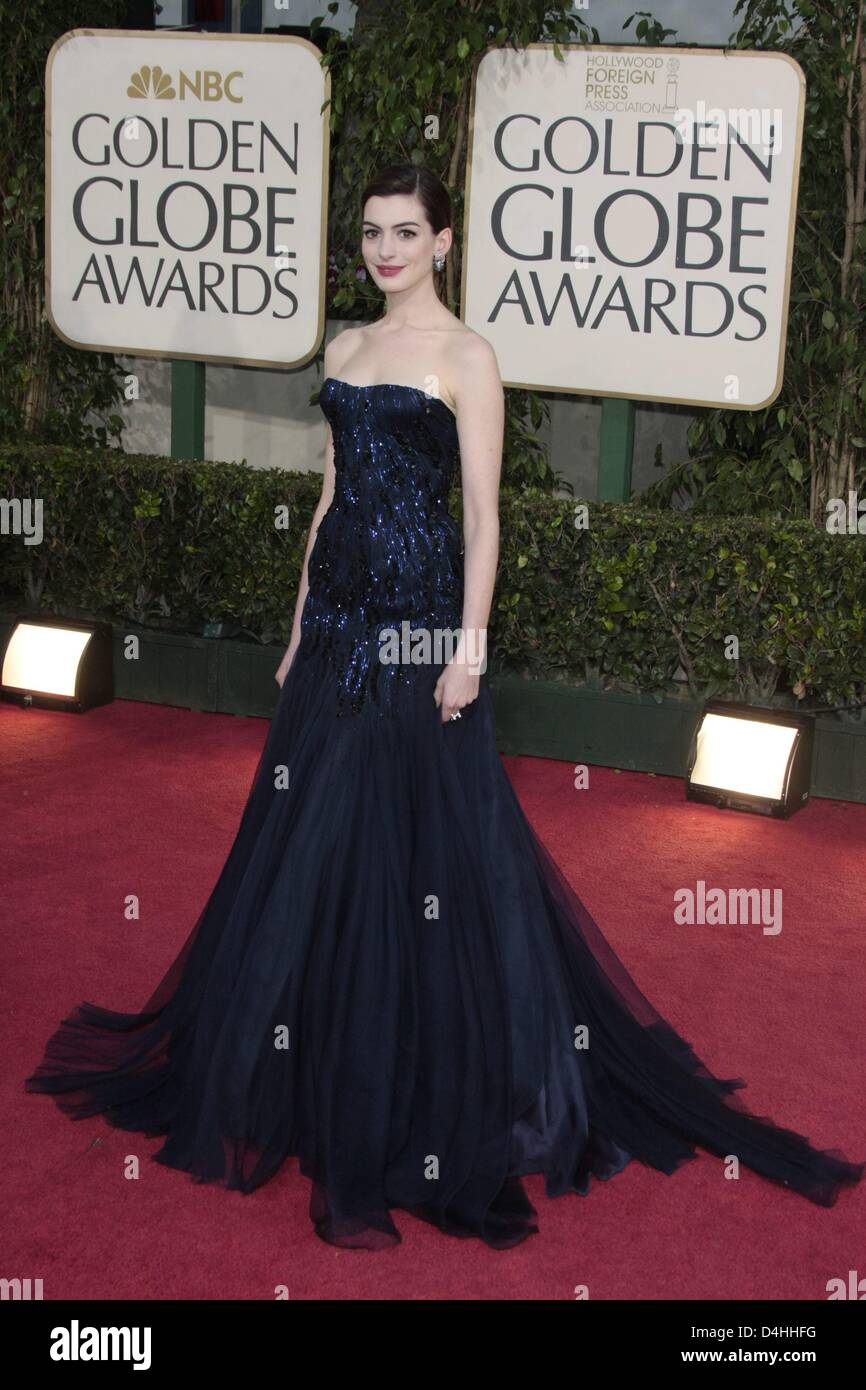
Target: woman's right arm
x: 322, y: 506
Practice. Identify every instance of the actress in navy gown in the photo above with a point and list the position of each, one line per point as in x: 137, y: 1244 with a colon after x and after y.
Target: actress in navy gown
x: 391, y: 979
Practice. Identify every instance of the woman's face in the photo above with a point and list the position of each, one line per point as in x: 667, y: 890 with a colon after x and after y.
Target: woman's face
x: 398, y: 243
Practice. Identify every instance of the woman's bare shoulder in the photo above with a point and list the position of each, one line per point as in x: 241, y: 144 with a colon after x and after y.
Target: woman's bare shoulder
x: 473, y: 358
x: 341, y: 348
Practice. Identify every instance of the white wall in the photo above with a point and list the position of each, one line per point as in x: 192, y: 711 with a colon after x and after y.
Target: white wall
x: 253, y: 414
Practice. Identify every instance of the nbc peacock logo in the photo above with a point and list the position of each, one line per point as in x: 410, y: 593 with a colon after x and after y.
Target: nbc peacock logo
x: 204, y: 84
x: 151, y: 82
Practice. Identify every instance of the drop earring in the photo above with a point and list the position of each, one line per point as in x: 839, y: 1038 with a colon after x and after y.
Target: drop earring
x: 439, y: 261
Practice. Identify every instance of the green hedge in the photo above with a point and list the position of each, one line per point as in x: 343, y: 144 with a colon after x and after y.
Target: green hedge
x: 624, y: 603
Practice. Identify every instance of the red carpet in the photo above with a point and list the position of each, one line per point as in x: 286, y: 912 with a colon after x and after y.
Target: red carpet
x: 144, y: 800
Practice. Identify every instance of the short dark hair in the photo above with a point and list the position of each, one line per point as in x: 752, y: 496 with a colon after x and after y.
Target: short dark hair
x: 417, y: 181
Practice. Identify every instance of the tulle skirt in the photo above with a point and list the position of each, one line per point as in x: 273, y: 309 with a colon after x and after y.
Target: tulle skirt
x: 392, y: 981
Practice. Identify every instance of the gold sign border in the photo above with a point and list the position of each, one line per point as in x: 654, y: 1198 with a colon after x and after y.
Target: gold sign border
x: 792, y: 214
x: 152, y: 35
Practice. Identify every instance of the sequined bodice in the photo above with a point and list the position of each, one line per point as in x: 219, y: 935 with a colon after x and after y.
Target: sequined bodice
x: 388, y: 552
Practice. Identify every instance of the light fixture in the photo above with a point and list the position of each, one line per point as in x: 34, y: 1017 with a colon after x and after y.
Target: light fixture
x: 748, y: 758
x: 58, y: 664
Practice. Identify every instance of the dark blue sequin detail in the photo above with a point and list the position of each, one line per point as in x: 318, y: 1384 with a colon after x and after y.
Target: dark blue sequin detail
x: 388, y: 550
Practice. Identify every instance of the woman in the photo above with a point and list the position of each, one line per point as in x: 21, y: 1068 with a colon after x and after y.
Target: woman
x: 391, y: 979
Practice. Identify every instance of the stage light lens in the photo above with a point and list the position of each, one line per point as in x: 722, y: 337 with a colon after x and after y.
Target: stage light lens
x: 44, y: 659
x: 743, y: 755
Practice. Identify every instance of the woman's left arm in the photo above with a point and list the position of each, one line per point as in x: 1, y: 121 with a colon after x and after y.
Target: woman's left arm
x: 480, y: 425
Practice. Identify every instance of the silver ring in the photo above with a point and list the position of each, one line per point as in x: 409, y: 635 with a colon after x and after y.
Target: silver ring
x: 455, y: 716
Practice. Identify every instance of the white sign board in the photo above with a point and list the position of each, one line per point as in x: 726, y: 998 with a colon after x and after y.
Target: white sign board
x: 186, y: 195
x: 630, y: 218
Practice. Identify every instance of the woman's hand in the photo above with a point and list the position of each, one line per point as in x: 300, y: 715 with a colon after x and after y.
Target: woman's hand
x: 283, y: 668
x: 457, y: 687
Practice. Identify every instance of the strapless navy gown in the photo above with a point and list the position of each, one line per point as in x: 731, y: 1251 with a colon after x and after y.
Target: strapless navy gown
x: 391, y: 979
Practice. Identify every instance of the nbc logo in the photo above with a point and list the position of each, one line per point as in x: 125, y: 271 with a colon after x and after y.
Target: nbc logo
x: 151, y: 82
x: 204, y: 85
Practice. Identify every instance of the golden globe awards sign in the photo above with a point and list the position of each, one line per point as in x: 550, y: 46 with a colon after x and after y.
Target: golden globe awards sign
x: 630, y: 219
x: 186, y: 198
